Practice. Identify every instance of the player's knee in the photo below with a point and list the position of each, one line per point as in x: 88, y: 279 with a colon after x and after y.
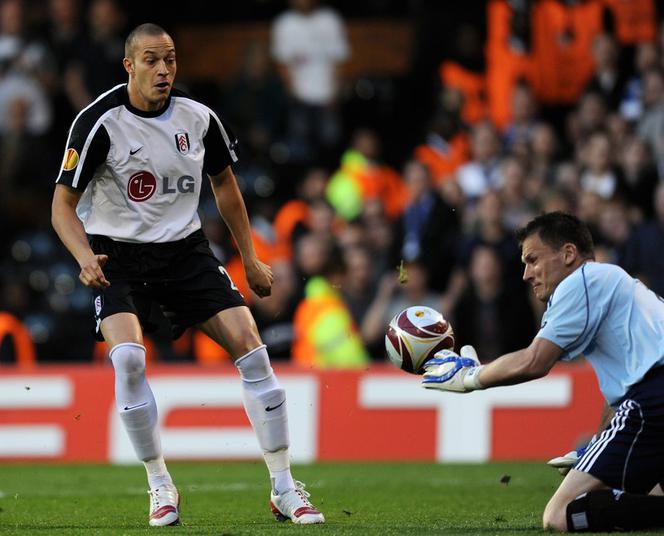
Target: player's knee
x: 128, y: 358
x: 254, y: 365
x: 555, y: 523
x: 554, y: 518
x: 245, y: 343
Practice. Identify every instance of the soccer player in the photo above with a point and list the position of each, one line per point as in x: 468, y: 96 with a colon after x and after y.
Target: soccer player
x: 618, y: 324
x: 131, y: 178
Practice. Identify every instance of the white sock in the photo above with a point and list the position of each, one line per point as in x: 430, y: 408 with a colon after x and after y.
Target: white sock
x: 135, y: 401
x: 265, y: 404
x: 278, y: 464
x: 158, y: 474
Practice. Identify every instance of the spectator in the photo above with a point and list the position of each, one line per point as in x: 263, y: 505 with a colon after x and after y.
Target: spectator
x: 25, y: 196
x: 325, y: 334
x: 97, y: 65
x: 310, y: 254
x: 255, y: 100
x: 64, y: 38
x: 608, y: 80
x: 255, y: 103
x: 363, y: 176
x: 359, y: 287
x: 644, y: 252
x: 517, y: 208
x: 599, y: 176
x: 482, y: 173
x: 428, y: 229
x: 524, y: 111
x: 309, y: 42
x: 589, y: 116
x: 393, y: 296
x: 274, y: 314
x: 614, y: 230
x: 618, y: 130
x: 28, y: 54
x: 639, y: 178
x: 380, y: 236
x: 651, y: 125
x: 25, y: 73
x: 446, y: 145
x: 292, y: 218
x: 589, y: 210
x: 544, y: 146
x: 631, y: 104
x: 567, y: 178
x: 489, y: 229
x: 488, y: 314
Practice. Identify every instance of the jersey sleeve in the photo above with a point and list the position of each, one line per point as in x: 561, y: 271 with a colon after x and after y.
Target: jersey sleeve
x: 570, y: 320
x: 87, y: 149
x: 220, y: 146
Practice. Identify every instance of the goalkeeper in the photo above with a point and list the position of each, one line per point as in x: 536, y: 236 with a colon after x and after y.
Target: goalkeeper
x: 598, y: 310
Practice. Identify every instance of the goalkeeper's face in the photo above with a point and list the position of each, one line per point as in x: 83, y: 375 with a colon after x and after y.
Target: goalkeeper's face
x: 545, y: 266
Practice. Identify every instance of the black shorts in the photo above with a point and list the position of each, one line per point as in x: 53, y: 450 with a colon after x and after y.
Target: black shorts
x: 180, y: 280
x: 629, y: 454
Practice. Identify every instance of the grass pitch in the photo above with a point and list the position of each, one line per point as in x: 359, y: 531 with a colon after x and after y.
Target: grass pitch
x: 225, y: 499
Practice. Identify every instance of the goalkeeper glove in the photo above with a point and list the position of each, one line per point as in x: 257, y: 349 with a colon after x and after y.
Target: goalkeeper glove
x: 449, y: 371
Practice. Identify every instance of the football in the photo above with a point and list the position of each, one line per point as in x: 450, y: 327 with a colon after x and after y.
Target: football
x: 414, y: 335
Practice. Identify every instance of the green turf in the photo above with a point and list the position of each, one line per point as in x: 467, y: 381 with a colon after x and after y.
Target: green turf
x: 231, y: 499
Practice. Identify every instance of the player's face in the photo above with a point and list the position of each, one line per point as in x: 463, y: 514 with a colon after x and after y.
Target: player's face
x: 546, y: 267
x: 151, y: 72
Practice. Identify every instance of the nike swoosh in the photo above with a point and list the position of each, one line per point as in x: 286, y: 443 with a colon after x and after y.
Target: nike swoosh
x: 271, y: 408
x: 127, y: 408
x: 131, y: 153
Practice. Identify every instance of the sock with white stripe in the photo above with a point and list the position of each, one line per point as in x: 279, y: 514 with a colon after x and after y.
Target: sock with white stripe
x: 265, y: 404
x: 138, y: 410
x: 608, y: 510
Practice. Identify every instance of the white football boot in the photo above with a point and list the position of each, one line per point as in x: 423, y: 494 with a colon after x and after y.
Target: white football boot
x: 294, y: 505
x: 164, y: 506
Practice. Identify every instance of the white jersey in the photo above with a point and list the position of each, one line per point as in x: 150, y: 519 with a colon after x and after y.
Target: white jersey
x: 141, y: 172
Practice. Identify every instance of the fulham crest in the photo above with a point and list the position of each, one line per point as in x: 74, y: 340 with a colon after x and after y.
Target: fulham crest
x: 182, y: 142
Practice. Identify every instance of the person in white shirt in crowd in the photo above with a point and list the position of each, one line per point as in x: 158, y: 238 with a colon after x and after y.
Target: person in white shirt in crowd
x: 309, y: 43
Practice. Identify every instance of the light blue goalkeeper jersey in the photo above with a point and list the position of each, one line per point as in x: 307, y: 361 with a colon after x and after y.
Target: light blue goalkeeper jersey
x: 614, y: 320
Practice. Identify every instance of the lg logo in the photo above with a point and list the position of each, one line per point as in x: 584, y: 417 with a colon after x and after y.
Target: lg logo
x: 143, y: 185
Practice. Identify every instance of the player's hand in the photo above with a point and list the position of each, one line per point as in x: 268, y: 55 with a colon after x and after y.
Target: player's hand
x: 91, y: 274
x: 259, y: 277
x: 449, y: 371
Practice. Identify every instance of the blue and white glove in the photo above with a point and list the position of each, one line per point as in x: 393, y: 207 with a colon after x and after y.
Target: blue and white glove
x: 449, y: 371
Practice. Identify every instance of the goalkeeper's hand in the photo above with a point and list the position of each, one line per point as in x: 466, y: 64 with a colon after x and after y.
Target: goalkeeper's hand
x: 449, y: 371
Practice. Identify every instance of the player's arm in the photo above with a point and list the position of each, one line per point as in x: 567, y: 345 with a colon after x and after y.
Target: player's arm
x: 524, y: 365
x: 448, y: 371
x: 70, y: 230
x: 234, y: 212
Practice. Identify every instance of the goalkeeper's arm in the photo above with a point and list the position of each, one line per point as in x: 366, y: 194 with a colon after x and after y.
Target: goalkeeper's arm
x: 521, y: 366
x: 516, y: 367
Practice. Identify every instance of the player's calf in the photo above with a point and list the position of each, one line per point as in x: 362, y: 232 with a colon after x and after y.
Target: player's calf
x: 609, y: 510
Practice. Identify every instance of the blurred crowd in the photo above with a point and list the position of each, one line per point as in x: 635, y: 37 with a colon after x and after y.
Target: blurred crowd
x: 553, y: 105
